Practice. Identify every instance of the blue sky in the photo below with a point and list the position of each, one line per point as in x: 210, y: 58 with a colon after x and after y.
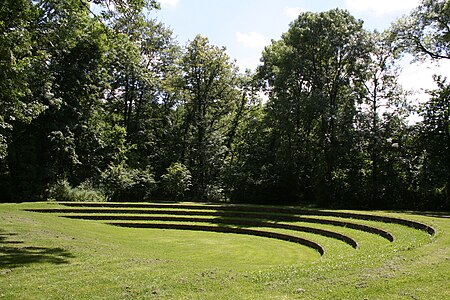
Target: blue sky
x: 244, y: 27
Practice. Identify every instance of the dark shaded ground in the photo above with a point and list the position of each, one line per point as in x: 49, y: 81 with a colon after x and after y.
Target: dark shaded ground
x: 434, y: 214
x: 14, y: 254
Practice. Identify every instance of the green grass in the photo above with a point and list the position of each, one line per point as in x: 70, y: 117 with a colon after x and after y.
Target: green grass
x: 43, y: 256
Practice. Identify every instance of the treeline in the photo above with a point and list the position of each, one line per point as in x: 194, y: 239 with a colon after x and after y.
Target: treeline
x: 101, y: 103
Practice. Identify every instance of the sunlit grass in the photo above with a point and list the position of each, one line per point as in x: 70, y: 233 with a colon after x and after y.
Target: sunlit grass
x: 43, y: 256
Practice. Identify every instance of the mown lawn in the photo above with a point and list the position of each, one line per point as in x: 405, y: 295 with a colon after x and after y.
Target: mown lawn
x: 43, y: 256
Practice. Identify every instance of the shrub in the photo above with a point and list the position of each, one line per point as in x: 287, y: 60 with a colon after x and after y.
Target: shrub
x: 177, y: 181
x: 62, y: 191
x: 215, y: 193
x: 122, y: 183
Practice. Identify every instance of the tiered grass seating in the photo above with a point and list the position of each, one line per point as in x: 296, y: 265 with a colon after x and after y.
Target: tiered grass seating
x: 283, y: 223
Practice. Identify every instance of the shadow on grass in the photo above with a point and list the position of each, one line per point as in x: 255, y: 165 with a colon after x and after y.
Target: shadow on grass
x: 434, y: 214
x: 13, y: 254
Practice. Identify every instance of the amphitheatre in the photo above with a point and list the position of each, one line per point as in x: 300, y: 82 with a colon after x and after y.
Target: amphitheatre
x: 232, y: 219
x: 224, y: 150
x: 210, y: 250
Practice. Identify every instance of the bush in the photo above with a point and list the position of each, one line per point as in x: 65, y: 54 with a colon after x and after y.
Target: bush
x: 122, y: 183
x: 215, y: 193
x: 62, y: 191
x: 177, y: 181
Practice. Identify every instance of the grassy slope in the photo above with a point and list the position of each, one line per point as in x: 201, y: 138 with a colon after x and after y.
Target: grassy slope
x: 46, y: 257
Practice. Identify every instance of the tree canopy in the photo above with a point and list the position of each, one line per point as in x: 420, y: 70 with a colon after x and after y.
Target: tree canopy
x: 104, y: 104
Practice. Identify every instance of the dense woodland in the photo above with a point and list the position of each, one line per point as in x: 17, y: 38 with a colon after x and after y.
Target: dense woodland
x: 104, y: 104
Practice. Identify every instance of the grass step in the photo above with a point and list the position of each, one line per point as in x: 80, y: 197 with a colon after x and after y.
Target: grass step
x: 145, y: 213
x: 267, y: 234
x: 268, y: 209
x: 231, y: 218
x: 41, y: 250
x: 230, y: 221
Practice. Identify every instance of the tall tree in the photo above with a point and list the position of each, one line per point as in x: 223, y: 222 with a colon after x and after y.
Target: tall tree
x: 312, y: 73
x: 18, y: 56
x: 142, y: 66
x: 208, y: 84
x: 435, y: 141
x: 142, y: 62
x: 425, y: 32
x: 382, y: 110
x: 69, y: 80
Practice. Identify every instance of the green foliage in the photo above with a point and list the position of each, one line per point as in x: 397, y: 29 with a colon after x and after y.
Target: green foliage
x: 62, y: 191
x: 382, y: 111
x: 177, y: 181
x: 312, y: 74
x: 122, y: 183
x: 17, y: 63
x: 434, y: 139
x: 100, y: 95
x: 425, y: 32
x: 3, y: 148
x: 209, y: 89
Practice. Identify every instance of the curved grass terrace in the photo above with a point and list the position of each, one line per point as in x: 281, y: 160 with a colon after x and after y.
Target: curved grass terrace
x: 205, y: 251
x: 265, y: 209
x: 232, y: 219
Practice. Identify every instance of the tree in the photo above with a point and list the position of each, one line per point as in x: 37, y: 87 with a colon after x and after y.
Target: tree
x: 142, y: 65
x: 252, y: 175
x: 435, y: 141
x: 177, y: 181
x: 209, y: 93
x: 69, y: 81
x: 426, y: 31
x: 18, y: 56
x: 382, y: 111
x: 141, y: 58
x: 312, y: 74
x: 425, y: 34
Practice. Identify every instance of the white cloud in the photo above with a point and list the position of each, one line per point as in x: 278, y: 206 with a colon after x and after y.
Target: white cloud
x: 418, y: 78
x: 250, y: 61
x: 252, y: 39
x: 381, y: 7
x: 169, y: 3
x: 264, y: 96
x: 293, y: 12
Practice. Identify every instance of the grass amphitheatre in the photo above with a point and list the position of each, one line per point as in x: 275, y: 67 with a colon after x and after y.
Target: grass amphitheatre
x: 74, y: 250
x: 306, y: 155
